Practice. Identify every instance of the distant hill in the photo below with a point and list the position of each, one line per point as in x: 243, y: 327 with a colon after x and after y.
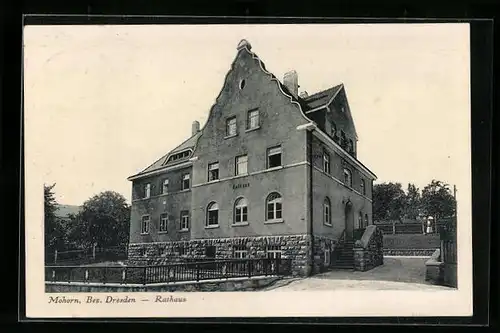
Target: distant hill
x: 63, y: 211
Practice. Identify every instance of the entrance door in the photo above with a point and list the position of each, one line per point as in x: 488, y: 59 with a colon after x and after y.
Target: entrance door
x: 349, y: 221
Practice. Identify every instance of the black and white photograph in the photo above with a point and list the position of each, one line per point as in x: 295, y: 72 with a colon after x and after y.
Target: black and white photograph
x: 227, y: 169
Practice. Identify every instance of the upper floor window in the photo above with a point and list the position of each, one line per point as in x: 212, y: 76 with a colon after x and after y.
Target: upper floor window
x: 213, y: 171
x: 241, y: 211
x: 163, y: 223
x: 145, y: 224
x: 326, y: 162
x: 147, y: 190
x: 347, y: 177
x: 360, y: 220
x: 185, y: 181
x: 212, y: 214
x: 274, y: 206
x: 343, y: 140
x: 363, y: 187
x: 241, y: 165
x: 231, y: 126
x: 274, y: 157
x: 351, y: 146
x: 327, y: 214
x: 367, y: 222
x: 164, y: 188
x: 184, y: 220
x: 253, y: 119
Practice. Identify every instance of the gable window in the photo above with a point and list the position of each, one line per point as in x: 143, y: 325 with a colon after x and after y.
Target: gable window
x: 327, y: 214
x: 242, y: 165
x: 274, y: 209
x: 241, y: 211
x: 164, y: 188
x: 363, y: 187
x: 185, y: 181
x: 273, y: 252
x: 334, y: 130
x: 231, y: 126
x: 274, y: 157
x: 347, y: 177
x: 184, y: 220
x: 147, y: 190
x: 351, y: 146
x: 240, y: 251
x: 343, y: 140
x: 212, y: 214
x: 163, y: 222
x: 145, y: 224
x: 326, y: 162
x: 367, y: 222
x: 213, y: 171
x: 253, y: 119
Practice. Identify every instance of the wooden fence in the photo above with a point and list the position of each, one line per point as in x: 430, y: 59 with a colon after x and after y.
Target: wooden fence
x: 86, y: 256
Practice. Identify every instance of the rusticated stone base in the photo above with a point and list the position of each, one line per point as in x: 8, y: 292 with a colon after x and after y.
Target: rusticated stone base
x: 323, y: 246
x: 295, y: 247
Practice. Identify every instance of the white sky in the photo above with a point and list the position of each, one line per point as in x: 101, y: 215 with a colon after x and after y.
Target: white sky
x: 104, y: 102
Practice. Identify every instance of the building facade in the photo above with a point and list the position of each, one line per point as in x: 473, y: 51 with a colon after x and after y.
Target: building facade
x: 271, y: 174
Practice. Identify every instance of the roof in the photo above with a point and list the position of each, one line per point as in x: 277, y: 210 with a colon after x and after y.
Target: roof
x: 322, y: 97
x: 188, y: 144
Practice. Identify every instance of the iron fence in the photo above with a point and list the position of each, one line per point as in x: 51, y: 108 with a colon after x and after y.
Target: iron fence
x: 179, y: 272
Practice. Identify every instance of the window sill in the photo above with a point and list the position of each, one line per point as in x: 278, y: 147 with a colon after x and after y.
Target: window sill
x: 230, y: 136
x: 162, y: 232
x: 184, y: 190
x: 252, y: 129
x: 213, y: 181
x: 184, y: 230
x: 273, y: 168
x: 213, y: 226
x: 144, y: 233
x: 328, y: 224
x: 241, y: 224
x: 274, y: 221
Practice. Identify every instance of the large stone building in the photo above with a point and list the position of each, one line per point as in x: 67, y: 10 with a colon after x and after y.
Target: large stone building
x: 271, y: 173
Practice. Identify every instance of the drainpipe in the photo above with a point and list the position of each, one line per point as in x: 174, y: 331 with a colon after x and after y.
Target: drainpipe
x: 311, y: 214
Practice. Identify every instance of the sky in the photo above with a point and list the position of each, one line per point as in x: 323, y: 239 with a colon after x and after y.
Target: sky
x: 103, y: 102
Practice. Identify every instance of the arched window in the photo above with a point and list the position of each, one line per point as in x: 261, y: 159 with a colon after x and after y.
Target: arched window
x: 360, y: 220
x: 327, y: 213
x: 212, y: 214
x: 274, y: 206
x: 367, y: 222
x: 241, y: 211
x: 347, y: 177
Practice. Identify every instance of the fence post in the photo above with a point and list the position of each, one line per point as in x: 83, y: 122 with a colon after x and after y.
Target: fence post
x: 248, y: 267
x: 393, y: 227
x: 144, y: 275
x: 93, y: 251
x: 197, y: 272
x: 55, y: 256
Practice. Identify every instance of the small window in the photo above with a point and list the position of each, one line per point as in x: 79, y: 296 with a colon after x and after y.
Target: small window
x: 212, y: 214
x: 367, y: 221
x: 363, y: 187
x: 334, y: 130
x: 351, y: 146
x: 343, y: 140
x: 253, y: 119
x: 185, y: 181
x: 240, y: 252
x: 163, y: 222
x: 145, y: 224
x: 360, y: 220
x: 210, y: 251
x: 347, y: 177
x: 241, y: 211
x: 327, y: 213
x: 273, y: 251
x: 274, y: 207
x: 241, y: 165
x: 274, y: 157
x: 165, y: 186
x: 242, y: 83
x: 147, y: 190
x: 184, y: 220
x: 326, y: 162
x: 213, y: 171
x: 161, y: 251
x: 231, y: 126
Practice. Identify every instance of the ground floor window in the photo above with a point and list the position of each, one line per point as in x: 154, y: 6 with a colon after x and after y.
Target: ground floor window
x: 327, y: 256
x: 184, y: 220
x: 145, y: 224
x: 274, y: 252
x: 240, y: 252
x: 210, y: 251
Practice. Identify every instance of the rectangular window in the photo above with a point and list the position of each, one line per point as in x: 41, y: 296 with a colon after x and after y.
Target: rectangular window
x: 213, y: 171
x: 147, y: 190
x: 240, y: 252
x: 326, y: 162
x: 231, y: 126
x: 184, y: 220
x: 181, y: 250
x: 145, y: 224
x: 163, y: 222
x: 274, y: 157
x: 210, y: 251
x: 363, y: 187
x: 164, y: 188
x: 253, y: 119
x: 241, y: 165
x: 185, y: 181
x: 273, y: 251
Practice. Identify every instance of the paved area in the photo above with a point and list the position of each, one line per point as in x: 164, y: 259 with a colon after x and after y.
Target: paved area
x: 395, y: 274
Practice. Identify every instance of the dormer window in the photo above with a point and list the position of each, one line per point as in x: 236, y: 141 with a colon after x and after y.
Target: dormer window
x: 178, y: 156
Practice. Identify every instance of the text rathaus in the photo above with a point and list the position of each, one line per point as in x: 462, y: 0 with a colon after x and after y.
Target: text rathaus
x: 272, y: 173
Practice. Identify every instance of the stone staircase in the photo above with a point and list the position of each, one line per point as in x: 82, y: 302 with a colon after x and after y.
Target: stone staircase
x: 344, y: 255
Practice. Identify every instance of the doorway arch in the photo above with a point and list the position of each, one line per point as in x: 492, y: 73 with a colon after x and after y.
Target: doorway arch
x: 349, y: 219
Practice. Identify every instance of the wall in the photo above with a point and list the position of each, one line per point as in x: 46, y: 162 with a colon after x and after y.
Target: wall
x: 369, y: 251
x: 172, y: 203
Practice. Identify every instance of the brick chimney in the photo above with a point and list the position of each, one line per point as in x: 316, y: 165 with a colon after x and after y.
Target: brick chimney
x: 291, y: 82
x: 195, y: 128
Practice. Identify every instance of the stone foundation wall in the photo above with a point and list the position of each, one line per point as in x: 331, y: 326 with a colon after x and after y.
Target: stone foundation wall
x: 369, y: 251
x: 321, y: 246
x: 295, y: 247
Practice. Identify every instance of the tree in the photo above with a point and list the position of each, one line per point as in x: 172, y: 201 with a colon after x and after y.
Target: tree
x: 412, y: 205
x: 103, y: 220
x: 388, y: 201
x: 54, y: 230
x: 437, y: 200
